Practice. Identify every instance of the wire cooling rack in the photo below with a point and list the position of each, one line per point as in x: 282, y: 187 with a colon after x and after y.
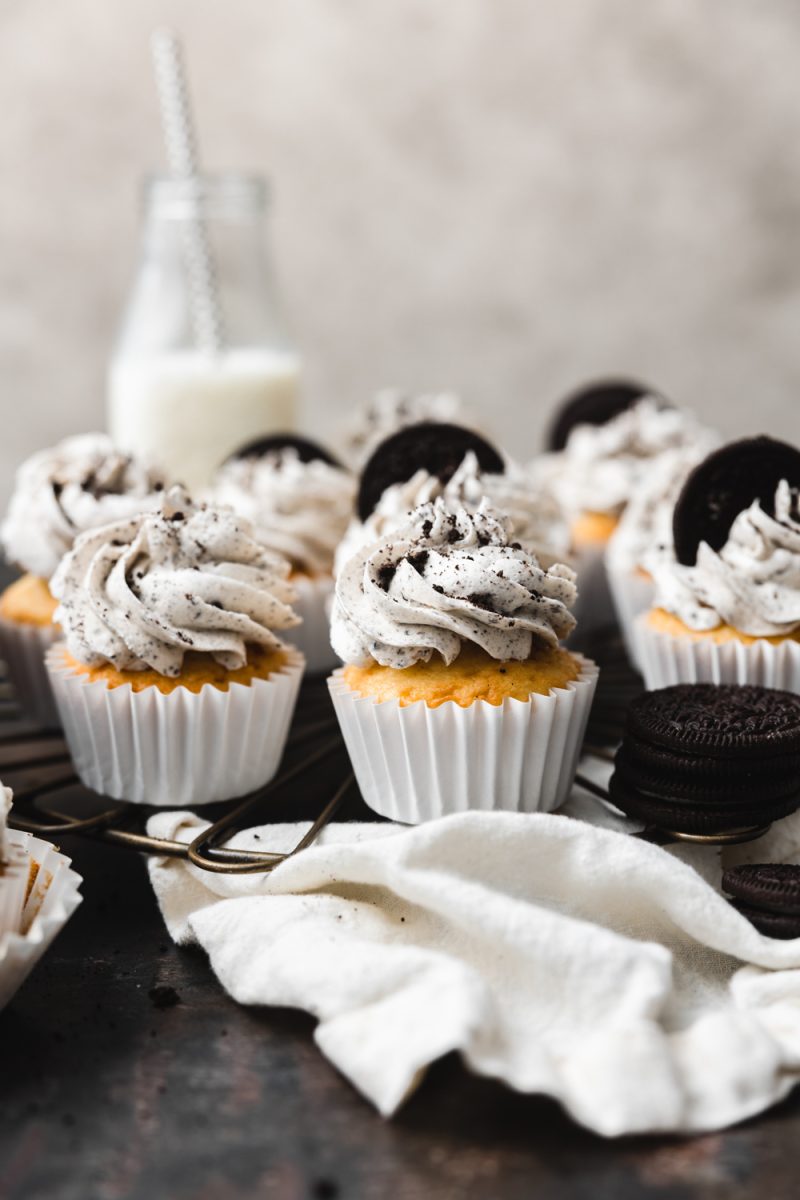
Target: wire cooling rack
x: 313, y: 783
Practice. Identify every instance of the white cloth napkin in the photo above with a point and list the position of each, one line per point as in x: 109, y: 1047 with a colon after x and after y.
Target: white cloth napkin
x: 560, y: 956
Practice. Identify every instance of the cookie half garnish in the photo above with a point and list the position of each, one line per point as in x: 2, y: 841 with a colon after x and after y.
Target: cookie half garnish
x: 726, y: 484
x: 273, y: 443
x: 768, y: 894
x: 437, y: 448
x: 596, y: 404
x: 709, y: 759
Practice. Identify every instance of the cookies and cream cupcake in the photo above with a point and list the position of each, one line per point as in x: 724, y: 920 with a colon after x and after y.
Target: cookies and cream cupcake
x: 173, y: 682
x: 13, y: 873
x: 299, y: 500
x: 727, y: 605
x: 79, y: 484
x: 439, y: 461
x: 456, y: 692
x: 603, y: 446
x: 644, y: 532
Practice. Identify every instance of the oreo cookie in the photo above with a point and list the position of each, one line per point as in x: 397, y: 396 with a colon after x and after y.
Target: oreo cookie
x: 709, y: 759
x: 596, y: 404
x: 438, y: 448
x: 273, y: 443
x: 724, y: 485
x: 768, y: 894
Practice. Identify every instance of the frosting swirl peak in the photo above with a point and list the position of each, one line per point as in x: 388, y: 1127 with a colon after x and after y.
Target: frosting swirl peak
x: 142, y: 592
x: 82, y: 483
x: 448, y: 577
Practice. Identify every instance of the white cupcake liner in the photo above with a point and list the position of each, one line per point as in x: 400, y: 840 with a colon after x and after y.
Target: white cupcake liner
x: 416, y: 763
x: 23, y: 648
x: 178, y: 750
x: 313, y: 637
x: 632, y: 593
x: 13, y: 887
x: 594, y: 608
x: 50, y: 903
x: 665, y: 658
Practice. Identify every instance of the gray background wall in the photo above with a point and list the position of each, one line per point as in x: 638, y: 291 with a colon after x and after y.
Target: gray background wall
x: 500, y: 196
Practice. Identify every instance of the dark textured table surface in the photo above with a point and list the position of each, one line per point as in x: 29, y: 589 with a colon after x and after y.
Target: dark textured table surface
x: 106, y: 1094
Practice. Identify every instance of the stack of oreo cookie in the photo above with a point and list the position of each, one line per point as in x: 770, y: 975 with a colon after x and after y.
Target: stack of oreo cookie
x: 768, y: 894
x: 709, y: 759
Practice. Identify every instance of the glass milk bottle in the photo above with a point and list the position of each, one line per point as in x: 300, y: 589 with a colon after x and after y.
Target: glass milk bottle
x: 172, y: 398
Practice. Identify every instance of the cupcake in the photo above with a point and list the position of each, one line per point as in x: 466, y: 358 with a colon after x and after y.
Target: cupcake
x: 645, y: 530
x: 727, y: 605
x: 390, y: 410
x: 433, y: 461
x: 603, y: 445
x: 80, y: 484
x: 456, y: 693
x: 299, y: 500
x: 172, y: 683
x: 38, y: 894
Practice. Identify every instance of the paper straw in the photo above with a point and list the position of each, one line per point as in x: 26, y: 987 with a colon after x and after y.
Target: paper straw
x: 183, y: 160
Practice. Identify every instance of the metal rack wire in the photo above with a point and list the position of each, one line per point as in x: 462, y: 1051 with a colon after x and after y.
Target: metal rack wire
x: 50, y: 801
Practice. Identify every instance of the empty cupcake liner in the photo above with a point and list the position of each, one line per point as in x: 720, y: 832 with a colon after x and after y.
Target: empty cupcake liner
x: 594, y: 608
x: 48, y: 903
x: 415, y: 763
x: 632, y: 593
x: 665, y: 658
x: 313, y: 637
x: 23, y: 648
x: 178, y: 750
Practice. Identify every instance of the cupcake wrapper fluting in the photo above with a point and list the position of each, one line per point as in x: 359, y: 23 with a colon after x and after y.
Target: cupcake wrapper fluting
x: 23, y: 648
x: 665, y: 659
x: 632, y: 594
x: 177, y: 750
x: 415, y: 763
x: 50, y: 903
x: 313, y: 637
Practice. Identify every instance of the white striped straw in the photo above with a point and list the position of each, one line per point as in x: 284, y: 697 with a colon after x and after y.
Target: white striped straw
x: 182, y: 157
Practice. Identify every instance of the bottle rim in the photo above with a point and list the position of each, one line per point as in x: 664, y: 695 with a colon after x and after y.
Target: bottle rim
x: 223, y: 193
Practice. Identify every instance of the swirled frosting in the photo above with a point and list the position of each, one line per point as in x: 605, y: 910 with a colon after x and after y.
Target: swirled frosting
x: 752, y: 583
x: 142, y: 592
x: 448, y: 578
x: 391, y: 409
x: 537, y: 520
x: 602, y: 466
x: 299, y: 509
x: 81, y: 483
x: 645, y: 527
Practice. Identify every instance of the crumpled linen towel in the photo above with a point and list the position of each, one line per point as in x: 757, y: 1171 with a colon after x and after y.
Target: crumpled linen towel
x: 562, y: 957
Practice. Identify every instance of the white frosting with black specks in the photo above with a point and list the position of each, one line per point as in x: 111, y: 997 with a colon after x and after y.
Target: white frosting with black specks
x: 392, y: 409
x: 537, y: 520
x: 602, y: 466
x: 81, y: 483
x: 299, y: 509
x: 142, y: 592
x: 751, y: 584
x: 448, y: 578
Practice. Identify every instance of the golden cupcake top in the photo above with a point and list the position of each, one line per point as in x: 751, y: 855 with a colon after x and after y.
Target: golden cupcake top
x: 143, y: 592
x: 450, y: 578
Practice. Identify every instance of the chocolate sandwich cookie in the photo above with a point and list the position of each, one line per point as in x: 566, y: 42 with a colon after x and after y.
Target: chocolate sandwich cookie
x: 596, y: 404
x: 726, y: 484
x: 709, y: 759
x: 435, y: 447
x: 272, y: 443
x: 768, y: 894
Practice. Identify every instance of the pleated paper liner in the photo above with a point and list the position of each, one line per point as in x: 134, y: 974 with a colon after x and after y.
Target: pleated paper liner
x: 23, y: 647
x: 665, y: 659
x: 178, y: 750
x: 50, y: 898
x: 632, y: 593
x: 415, y: 763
